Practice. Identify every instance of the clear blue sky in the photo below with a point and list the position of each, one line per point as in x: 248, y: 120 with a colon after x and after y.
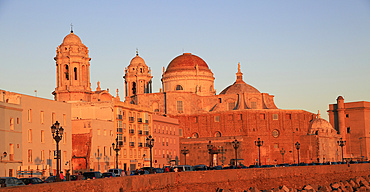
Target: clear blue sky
x: 306, y: 52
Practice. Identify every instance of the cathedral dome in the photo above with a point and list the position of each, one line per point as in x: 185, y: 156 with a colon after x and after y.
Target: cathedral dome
x: 319, y: 126
x: 72, y: 39
x: 137, y: 60
x: 239, y: 87
x: 187, y: 61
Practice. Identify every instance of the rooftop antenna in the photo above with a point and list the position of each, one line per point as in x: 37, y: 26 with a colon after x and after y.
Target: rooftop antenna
x: 137, y: 52
x: 71, y: 28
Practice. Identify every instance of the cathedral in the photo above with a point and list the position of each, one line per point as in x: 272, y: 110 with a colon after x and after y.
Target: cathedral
x: 211, y: 122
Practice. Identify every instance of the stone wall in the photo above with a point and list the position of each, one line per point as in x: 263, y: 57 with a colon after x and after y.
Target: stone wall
x: 235, y: 180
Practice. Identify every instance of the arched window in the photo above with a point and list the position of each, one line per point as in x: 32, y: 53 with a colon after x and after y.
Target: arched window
x: 195, y: 135
x: 180, y: 108
x: 133, y: 88
x: 66, y: 72
x: 75, y: 71
x: 179, y: 87
x: 217, y: 134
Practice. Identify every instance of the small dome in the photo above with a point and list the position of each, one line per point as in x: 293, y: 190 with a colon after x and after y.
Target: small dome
x: 72, y: 39
x: 187, y: 61
x: 320, y: 125
x: 137, y: 60
x: 239, y: 87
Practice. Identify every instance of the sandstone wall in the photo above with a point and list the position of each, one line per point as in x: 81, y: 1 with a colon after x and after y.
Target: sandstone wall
x: 241, y: 179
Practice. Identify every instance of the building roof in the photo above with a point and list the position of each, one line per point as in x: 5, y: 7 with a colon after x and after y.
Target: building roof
x: 137, y: 61
x: 72, y: 39
x: 187, y: 61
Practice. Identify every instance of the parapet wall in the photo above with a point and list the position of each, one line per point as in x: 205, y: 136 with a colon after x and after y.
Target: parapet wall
x: 239, y: 179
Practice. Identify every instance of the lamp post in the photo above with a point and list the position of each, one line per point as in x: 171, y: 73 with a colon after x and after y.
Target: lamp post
x: 98, y: 157
x: 150, y: 144
x: 259, y: 143
x: 57, y: 133
x: 282, y: 151
x: 297, y: 146
x: 341, y: 143
x: 185, y: 151
x: 236, y: 146
x: 209, y: 147
x: 116, y: 148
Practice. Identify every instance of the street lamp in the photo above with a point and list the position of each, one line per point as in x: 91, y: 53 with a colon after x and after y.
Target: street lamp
x: 341, y: 143
x: 282, y: 151
x: 98, y: 157
x: 185, y: 151
x: 57, y: 133
x: 236, y: 146
x: 150, y: 144
x: 116, y: 148
x: 259, y: 143
x: 297, y: 146
x: 210, y: 147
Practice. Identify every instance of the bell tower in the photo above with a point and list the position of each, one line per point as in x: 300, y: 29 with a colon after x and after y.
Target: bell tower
x: 73, y: 70
x: 138, y: 79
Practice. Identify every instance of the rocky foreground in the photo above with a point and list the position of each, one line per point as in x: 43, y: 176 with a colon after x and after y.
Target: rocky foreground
x: 355, y: 184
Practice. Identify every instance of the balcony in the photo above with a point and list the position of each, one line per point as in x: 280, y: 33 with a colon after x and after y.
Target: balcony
x: 140, y: 144
x: 131, y: 131
x: 131, y: 119
x: 132, y: 144
x: 146, y: 121
x: 120, y: 143
x: 119, y: 116
x: 140, y: 132
x: 140, y: 120
x: 119, y: 130
x: 146, y: 132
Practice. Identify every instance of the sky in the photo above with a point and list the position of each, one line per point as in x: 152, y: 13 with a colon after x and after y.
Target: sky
x: 306, y: 53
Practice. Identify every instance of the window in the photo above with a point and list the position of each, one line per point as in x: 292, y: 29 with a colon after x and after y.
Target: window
x: 42, y: 136
x: 17, y: 120
x: 53, y: 118
x: 348, y: 129
x: 42, y: 155
x: 42, y: 117
x: 30, y: 115
x: 29, y: 156
x: 64, y: 120
x: 11, y: 124
x: 195, y: 135
x: 180, y: 133
x: 75, y: 71
x: 65, y: 137
x: 219, y: 100
x: 30, y: 135
x: 231, y: 106
x: 347, y: 115
x: 66, y: 71
x: 217, y: 118
x: 179, y: 107
x: 98, y: 131
x: 217, y: 134
x: 275, y: 117
x: 105, y: 132
x: 254, y: 105
x: 179, y: 87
